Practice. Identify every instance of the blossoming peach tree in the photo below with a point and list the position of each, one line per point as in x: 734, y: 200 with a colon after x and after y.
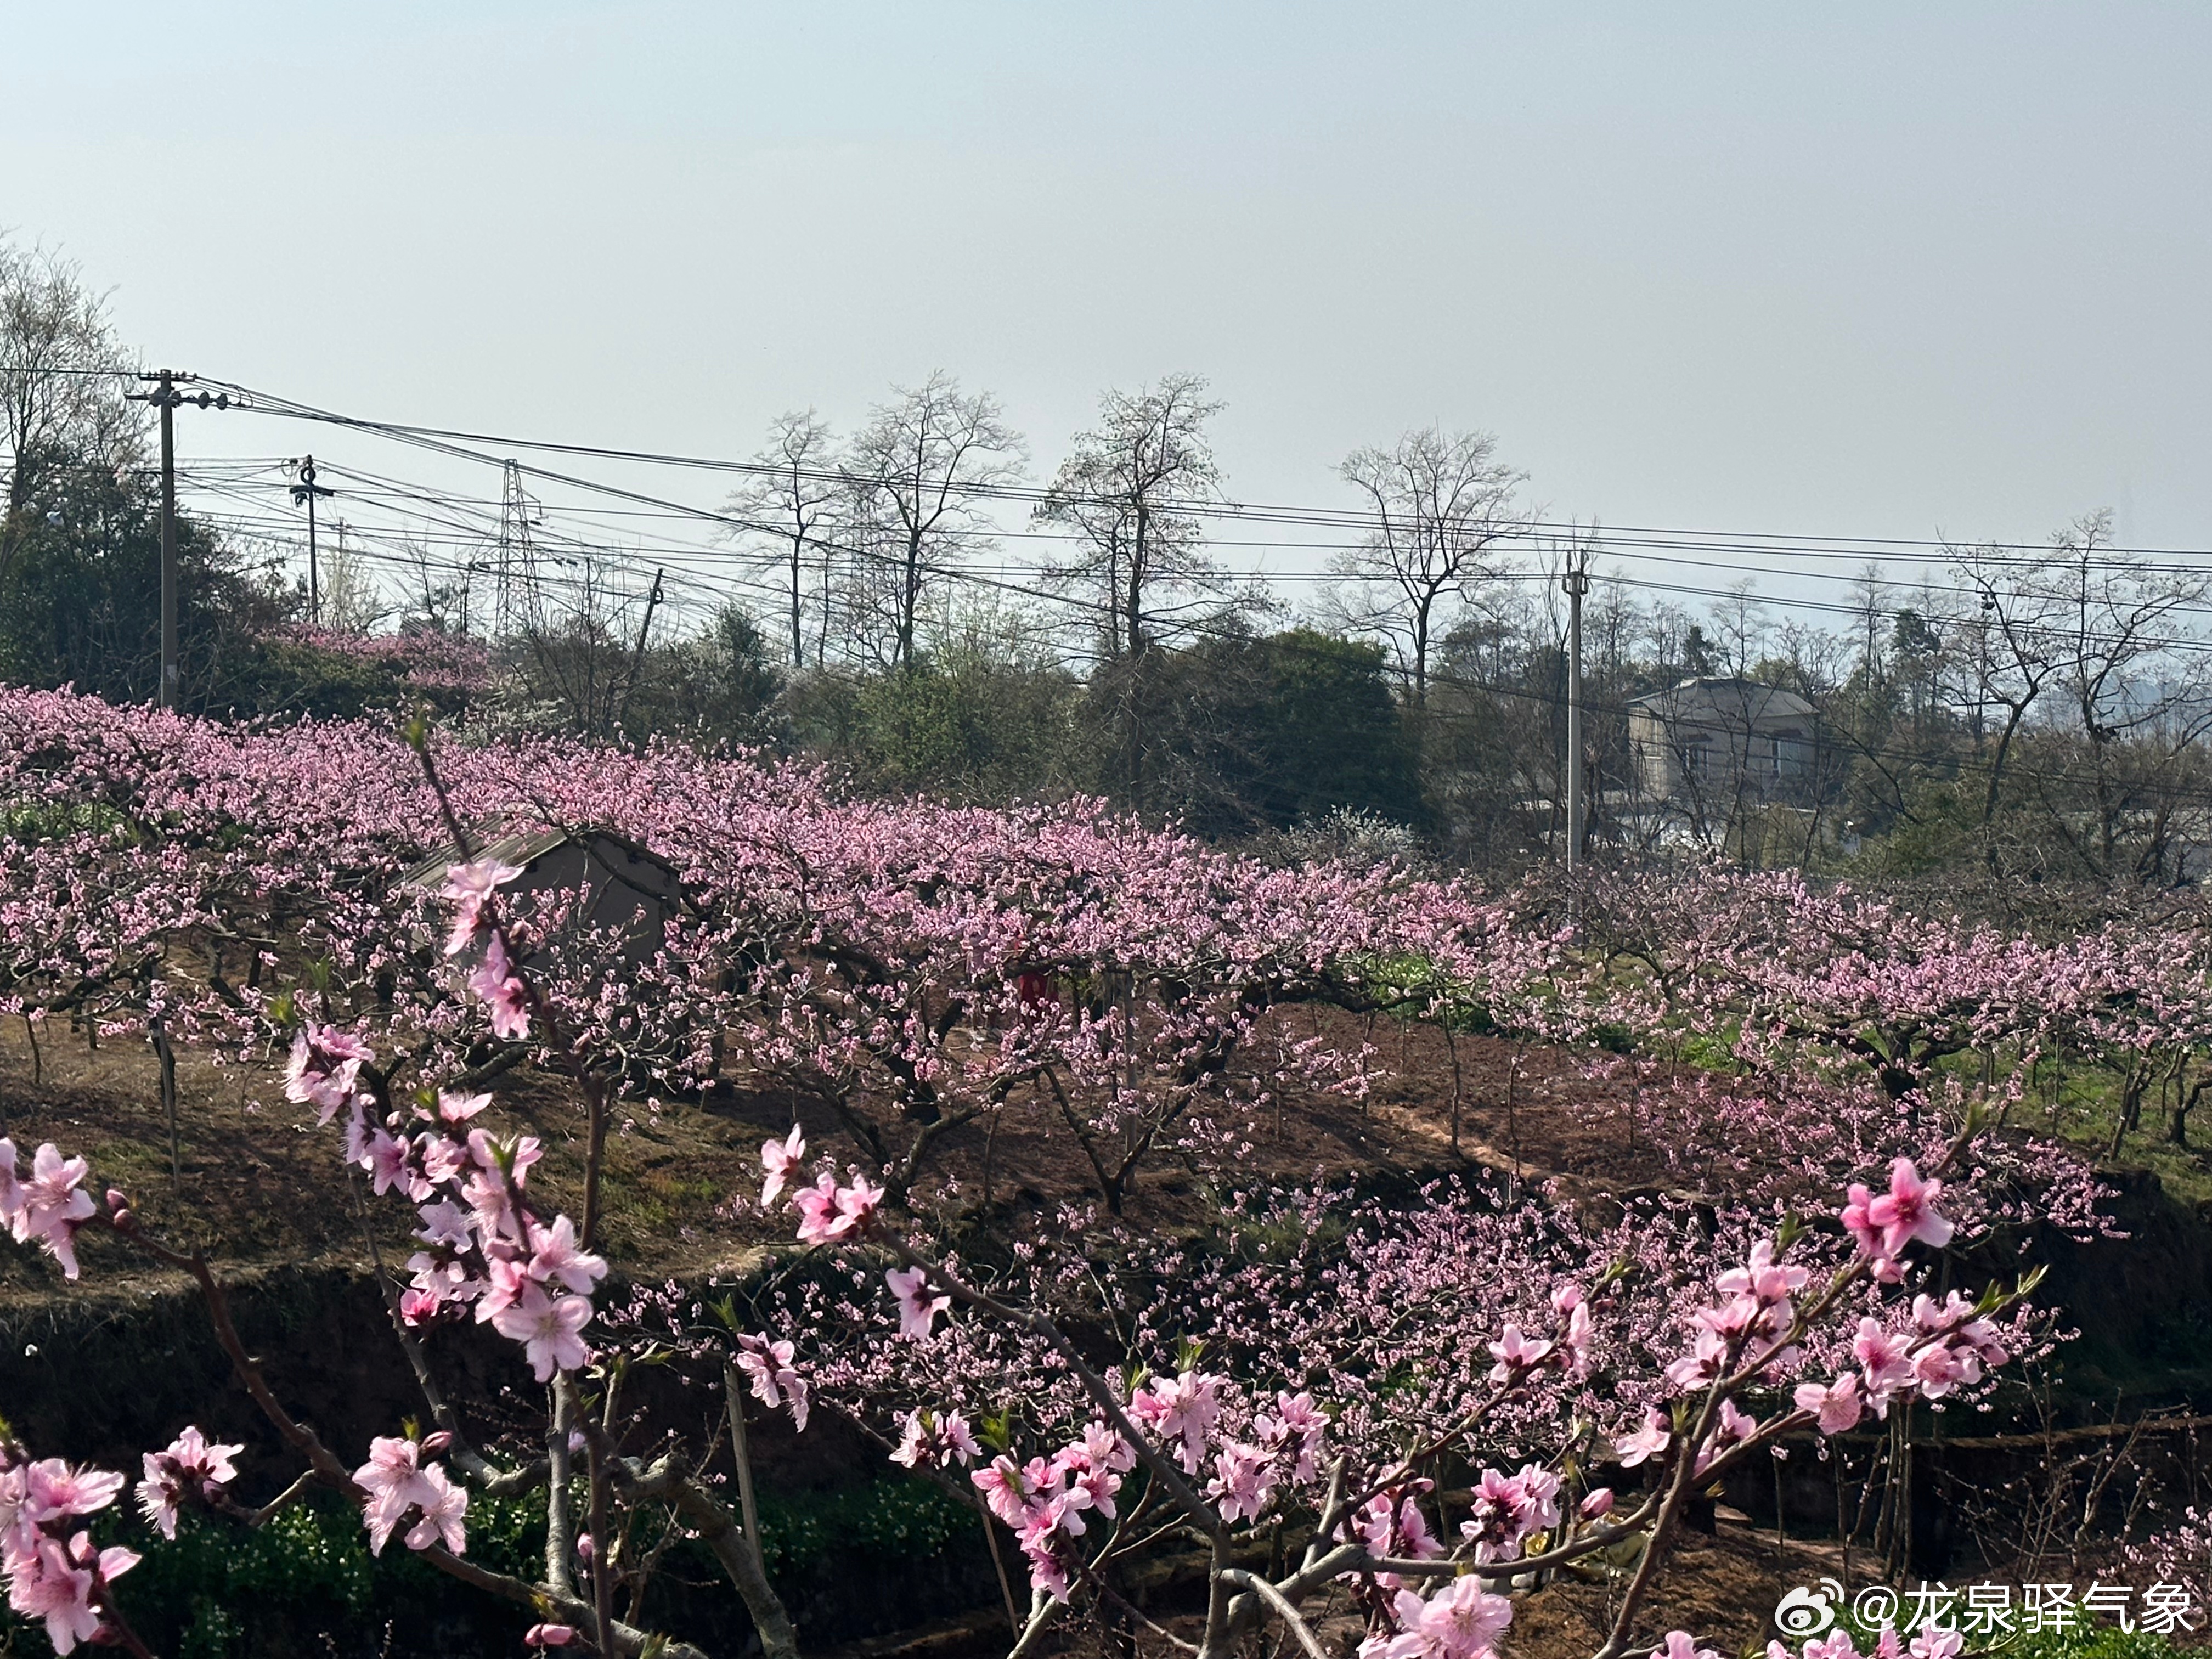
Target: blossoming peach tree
x: 490, y: 1253
x: 1291, y: 1493
x: 1291, y: 1407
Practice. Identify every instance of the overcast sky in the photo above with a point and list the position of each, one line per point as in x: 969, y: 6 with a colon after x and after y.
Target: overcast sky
x: 1875, y: 270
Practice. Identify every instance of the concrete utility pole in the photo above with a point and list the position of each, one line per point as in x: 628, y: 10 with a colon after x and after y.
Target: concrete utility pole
x: 166, y: 398
x: 637, y: 656
x: 1576, y: 582
x: 306, y: 490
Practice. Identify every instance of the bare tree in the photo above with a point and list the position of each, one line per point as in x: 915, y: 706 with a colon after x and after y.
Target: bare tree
x: 585, y: 664
x: 1921, y: 658
x: 352, y: 603
x: 1674, y: 642
x: 436, y: 590
x: 2015, y: 629
x: 60, y: 404
x: 925, y: 464
x: 1128, y: 488
x: 1442, y: 501
x: 790, y: 507
x: 1869, y: 601
x: 2138, y: 708
x: 1741, y: 626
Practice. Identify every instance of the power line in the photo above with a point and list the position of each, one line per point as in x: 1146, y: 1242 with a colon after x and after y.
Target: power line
x: 1823, y: 545
x: 67, y: 373
x: 1655, y: 543
x: 1556, y: 700
x: 452, y: 442
x: 1021, y: 579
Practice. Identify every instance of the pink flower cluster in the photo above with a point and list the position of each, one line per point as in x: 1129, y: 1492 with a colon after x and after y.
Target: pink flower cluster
x: 1392, y: 1527
x: 399, y: 1484
x: 470, y: 887
x: 935, y: 1440
x: 527, y: 1277
x: 1286, y: 1447
x: 768, y: 1366
x: 1046, y: 1500
x: 828, y: 1212
x: 1751, y: 1326
x: 189, y: 1468
x: 324, y: 1070
x: 1460, y: 1621
x: 48, y: 1204
x: 1182, y: 1409
x: 1754, y: 1332
x: 1568, y: 1351
x: 1508, y: 1509
x: 53, y: 1568
x: 1946, y: 1347
x: 1882, y: 1225
x: 1930, y: 1643
x: 1326, y: 1311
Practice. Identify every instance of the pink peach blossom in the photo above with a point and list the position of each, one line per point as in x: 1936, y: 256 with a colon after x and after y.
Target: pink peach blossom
x: 780, y: 1158
x: 917, y: 1310
x: 547, y: 1328
x: 1836, y: 1404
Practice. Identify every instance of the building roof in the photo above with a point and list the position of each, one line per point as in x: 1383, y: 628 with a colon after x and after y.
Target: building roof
x: 1720, y: 698
x: 524, y: 844
x: 629, y: 889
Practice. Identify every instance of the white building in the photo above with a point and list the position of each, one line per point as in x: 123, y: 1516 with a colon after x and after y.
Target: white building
x: 1710, y: 741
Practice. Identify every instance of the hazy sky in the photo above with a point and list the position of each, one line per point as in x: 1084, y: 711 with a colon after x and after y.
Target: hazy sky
x: 1874, y: 269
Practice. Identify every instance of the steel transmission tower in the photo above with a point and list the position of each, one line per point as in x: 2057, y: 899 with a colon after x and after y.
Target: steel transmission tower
x: 515, y: 595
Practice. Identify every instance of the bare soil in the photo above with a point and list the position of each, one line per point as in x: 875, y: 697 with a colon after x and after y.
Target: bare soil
x: 257, y: 1182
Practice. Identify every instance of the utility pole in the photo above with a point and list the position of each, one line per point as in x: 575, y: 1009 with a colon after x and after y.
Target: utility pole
x: 1576, y: 582
x: 637, y: 656
x: 166, y: 398
x: 306, y: 490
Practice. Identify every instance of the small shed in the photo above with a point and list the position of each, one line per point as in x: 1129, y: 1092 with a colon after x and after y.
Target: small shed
x: 630, y: 888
